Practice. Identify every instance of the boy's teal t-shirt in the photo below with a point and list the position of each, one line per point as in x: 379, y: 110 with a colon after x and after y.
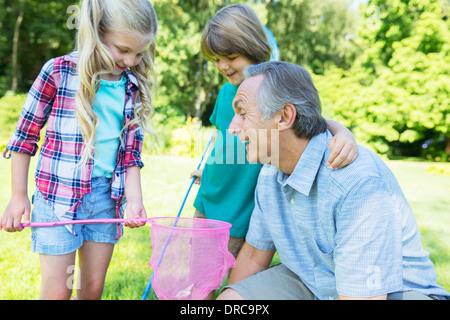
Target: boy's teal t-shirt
x: 108, y: 106
x: 228, y: 181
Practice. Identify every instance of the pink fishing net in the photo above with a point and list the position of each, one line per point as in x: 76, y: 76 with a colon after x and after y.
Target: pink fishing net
x: 190, y: 257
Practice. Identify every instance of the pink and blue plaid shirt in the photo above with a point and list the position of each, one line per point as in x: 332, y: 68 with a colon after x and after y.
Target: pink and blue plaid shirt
x: 59, y: 177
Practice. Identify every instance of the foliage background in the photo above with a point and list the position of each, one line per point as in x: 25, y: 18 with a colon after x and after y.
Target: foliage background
x: 382, y: 66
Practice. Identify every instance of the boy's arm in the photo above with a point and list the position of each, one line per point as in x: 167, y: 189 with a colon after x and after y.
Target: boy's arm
x: 343, y: 146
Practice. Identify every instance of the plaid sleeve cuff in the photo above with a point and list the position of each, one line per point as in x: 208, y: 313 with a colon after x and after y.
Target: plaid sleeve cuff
x: 21, y: 147
x: 135, y: 160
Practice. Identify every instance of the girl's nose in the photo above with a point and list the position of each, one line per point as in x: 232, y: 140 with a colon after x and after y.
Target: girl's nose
x: 129, y: 61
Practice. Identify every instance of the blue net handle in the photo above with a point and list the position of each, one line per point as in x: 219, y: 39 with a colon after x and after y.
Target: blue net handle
x: 275, y: 55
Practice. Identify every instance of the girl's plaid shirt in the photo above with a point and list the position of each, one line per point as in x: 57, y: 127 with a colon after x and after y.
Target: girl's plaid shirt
x: 59, y: 177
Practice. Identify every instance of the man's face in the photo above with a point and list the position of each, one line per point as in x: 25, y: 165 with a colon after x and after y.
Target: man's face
x: 260, y: 137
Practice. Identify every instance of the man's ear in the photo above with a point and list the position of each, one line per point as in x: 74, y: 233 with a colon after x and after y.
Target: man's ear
x: 288, y: 114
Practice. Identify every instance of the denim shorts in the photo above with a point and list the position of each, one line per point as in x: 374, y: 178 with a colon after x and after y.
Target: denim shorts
x: 60, y: 240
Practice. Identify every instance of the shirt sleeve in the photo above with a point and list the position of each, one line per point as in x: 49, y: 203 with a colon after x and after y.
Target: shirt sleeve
x: 213, y: 118
x: 368, y: 254
x: 34, y: 114
x: 258, y: 234
x: 135, y: 159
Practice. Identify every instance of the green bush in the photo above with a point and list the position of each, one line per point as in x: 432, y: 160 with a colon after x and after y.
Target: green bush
x: 10, y: 107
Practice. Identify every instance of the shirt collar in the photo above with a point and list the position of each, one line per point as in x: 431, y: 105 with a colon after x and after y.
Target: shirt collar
x: 73, y: 58
x: 305, y: 172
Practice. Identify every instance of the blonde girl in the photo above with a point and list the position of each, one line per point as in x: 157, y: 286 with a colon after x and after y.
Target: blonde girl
x: 96, y: 103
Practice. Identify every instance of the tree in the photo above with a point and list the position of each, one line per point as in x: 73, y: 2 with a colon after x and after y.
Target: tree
x: 188, y: 84
x: 181, y: 70
x: 15, y: 46
x: 32, y: 32
x: 397, y: 93
x: 312, y: 33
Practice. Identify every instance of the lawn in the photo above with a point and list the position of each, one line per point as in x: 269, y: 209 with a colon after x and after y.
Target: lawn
x: 165, y: 182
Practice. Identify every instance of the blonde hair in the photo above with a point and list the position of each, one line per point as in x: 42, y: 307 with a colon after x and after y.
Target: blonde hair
x: 94, y: 59
x: 235, y: 29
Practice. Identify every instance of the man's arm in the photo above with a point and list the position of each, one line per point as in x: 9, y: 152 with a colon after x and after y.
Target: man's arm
x: 382, y: 297
x: 249, y: 261
x: 370, y: 232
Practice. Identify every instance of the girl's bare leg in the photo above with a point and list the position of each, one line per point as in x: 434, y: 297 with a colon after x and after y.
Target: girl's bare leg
x: 94, y: 261
x: 56, y: 276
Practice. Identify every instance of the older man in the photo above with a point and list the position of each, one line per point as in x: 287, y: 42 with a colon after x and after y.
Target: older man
x: 341, y: 234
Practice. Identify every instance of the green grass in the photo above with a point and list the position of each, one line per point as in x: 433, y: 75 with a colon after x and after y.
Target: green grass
x: 165, y: 181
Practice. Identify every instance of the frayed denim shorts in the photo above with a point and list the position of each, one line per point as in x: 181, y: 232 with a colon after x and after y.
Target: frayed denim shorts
x: 60, y: 240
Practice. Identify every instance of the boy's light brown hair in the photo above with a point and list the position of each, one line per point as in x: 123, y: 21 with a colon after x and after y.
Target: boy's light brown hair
x: 235, y: 29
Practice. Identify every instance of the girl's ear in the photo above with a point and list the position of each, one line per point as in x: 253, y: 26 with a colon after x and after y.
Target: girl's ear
x: 288, y: 114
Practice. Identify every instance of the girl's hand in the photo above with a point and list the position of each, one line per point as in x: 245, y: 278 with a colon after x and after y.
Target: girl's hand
x: 344, y: 150
x: 18, y: 207
x: 135, y: 210
x: 133, y: 194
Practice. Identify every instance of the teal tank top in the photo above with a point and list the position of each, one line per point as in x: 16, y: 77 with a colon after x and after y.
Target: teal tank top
x: 108, y: 106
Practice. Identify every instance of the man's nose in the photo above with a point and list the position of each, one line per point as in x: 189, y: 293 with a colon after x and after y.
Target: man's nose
x: 234, y: 127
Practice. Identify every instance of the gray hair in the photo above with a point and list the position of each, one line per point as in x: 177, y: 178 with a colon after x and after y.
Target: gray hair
x: 289, y: 83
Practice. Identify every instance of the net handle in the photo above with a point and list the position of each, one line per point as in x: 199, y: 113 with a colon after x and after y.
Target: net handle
x: 81, y: 221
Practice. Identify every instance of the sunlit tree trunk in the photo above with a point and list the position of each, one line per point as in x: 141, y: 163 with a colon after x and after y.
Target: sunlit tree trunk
x: 15, y: 66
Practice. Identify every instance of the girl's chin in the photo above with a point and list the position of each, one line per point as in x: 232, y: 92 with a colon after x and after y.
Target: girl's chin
x: 114, y: 76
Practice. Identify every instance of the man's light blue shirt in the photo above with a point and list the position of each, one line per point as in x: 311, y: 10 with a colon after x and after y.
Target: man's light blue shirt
x: 349, y: 231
